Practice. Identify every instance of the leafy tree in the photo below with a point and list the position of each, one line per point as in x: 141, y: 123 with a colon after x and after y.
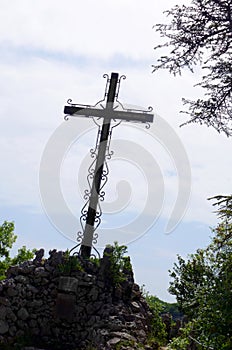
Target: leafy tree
x: 119, y: 263
x: 202, y: 33
x: 158, y: 327
x: 202, y: 286
x: 7, y: 239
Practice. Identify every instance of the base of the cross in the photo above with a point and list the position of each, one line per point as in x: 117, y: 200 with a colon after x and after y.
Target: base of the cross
x: 85, y: 251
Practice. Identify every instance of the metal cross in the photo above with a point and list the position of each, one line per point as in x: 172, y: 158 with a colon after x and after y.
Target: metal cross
x: 108, y: 113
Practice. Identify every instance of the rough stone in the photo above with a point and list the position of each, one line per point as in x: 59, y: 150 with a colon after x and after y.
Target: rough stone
x: 38, y: 256
x: 11, y: 315
x: 135, y: 306
x: 21, y: 279
x: 123, y: 335
x: 12, y: 271
x: 23, y: 314
x: 41, y: 272
x: 113, y: 341
x: 2, y: 312
x: 4, y: 301
x: 35, y: 304
x: 11, y: 291
x: 4, y: 327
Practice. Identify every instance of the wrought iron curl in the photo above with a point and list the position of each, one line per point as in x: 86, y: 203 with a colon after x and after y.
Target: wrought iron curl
x: 99, y: 211
x: 66, y: 117
x: 76, y: 246
x: 106, y: 76
x: 86, y: 194
x: 69, y: 101
x: 91, y: 168
x: 109, y: 155
x: 147, y: 125
x: 104, y: 178
x: 102, y: 196
x: 89, y: 178
x: 122, y: 77
x: 105, y: 171
x: 83, y: 210
x: 97, y: 221
x: 79, y: 236
x: 93, y: 153
x: 95, y: 237
x: 98, y: 254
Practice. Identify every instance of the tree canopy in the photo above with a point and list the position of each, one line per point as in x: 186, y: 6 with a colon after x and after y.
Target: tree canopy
x: 202, y: 286
x: 202, y: 33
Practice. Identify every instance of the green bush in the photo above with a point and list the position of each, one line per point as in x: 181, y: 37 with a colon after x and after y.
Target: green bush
x: 7, y: 239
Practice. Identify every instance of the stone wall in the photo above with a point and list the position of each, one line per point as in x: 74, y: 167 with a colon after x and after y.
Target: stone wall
x: 47, y: 303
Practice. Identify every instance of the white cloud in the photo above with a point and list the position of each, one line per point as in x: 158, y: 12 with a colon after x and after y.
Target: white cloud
x: 101, y: 29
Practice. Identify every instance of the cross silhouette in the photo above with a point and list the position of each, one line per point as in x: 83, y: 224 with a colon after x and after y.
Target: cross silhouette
x: 108, y: 113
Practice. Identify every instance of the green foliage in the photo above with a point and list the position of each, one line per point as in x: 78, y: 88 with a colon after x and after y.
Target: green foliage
x: 70, y: 264
x: 182, y: 342
x: 119, y: 263
x: 23, y: 255
x: 123, y: 343
x: 158, y: 327
x: 171, y: 308
x: 7, y: 239
x: 202, y: 286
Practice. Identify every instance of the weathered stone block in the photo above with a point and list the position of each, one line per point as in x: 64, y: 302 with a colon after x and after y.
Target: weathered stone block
x: 68, y: 284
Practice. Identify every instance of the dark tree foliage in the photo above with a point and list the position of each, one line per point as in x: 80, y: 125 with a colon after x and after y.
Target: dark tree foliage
x: 202, y: 33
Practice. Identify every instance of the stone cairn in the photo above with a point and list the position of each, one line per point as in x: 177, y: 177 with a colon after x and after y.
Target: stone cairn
x: 47, y: 304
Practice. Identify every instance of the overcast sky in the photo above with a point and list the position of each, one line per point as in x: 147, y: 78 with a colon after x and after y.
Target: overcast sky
x: 54, y: 50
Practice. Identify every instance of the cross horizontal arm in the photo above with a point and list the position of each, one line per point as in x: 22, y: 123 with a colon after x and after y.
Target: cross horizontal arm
x: 109, y: 114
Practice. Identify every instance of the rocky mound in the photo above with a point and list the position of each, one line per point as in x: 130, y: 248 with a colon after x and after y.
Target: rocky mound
x: 64, y: 302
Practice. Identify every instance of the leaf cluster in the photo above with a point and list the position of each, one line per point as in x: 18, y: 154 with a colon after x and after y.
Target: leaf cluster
x: 158, y: 327
x: 201, y: 33
x: 119, y: 264
x: 7, y: 239
x: 69, y: 264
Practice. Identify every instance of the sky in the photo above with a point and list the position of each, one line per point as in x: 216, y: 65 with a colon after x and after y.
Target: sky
x: 55, y: 50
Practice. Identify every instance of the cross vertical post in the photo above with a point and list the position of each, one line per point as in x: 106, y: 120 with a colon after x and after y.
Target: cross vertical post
x: 86, y: 245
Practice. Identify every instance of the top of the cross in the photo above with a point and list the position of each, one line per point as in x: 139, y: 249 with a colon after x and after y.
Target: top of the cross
x: 110, y: 107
